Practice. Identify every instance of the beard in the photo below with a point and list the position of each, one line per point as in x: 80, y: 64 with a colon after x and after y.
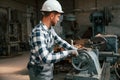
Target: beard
x: 53, y: 23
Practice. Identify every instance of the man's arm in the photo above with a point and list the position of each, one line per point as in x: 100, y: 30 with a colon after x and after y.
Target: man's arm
x: 40, y: 47
x: 62, y: 42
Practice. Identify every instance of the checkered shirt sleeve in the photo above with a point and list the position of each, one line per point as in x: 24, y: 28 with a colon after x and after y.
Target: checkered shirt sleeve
x: 62, y: 42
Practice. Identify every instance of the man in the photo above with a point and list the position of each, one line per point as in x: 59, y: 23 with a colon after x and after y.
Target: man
x: 42, y: 41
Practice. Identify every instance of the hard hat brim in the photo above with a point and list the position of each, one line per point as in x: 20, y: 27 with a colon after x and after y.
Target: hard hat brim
x: 61, y: 12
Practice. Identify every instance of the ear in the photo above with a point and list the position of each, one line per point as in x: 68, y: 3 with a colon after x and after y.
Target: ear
x: 52, y: 15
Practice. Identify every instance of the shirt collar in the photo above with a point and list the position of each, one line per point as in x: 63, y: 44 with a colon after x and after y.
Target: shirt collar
x: 44, y: 26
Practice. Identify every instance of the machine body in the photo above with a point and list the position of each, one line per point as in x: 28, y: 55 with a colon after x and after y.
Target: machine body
x: 86, y: 66
x: 97, y: 61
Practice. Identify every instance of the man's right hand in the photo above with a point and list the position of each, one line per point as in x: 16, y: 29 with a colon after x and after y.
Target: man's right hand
x: 73, y: 53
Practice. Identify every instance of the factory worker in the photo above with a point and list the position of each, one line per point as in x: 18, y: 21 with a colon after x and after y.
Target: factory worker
x: 42, y: 41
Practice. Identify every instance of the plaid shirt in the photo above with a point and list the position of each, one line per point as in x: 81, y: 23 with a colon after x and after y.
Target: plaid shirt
x: 42, y: 42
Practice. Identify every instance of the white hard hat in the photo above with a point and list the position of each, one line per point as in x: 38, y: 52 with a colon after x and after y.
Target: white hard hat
x: 52, y: 5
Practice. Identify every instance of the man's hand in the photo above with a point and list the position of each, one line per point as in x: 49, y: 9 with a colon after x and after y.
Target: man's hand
x: 83, y: 48
x: 73, y: 53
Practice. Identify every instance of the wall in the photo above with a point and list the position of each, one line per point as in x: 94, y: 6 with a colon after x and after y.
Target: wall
x: 17, y: 4
x: 83, y: 8
x: 24, y: 9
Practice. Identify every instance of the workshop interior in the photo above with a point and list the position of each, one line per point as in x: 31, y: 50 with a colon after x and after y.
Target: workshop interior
x: 93, y: 26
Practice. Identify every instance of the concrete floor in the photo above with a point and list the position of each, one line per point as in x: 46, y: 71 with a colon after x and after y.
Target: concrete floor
x: 14, y: 68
